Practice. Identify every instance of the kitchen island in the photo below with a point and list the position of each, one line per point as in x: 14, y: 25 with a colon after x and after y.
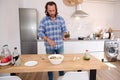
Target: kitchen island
x: 73, y: 46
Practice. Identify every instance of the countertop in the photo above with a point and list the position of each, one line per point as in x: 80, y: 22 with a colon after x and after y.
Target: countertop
x: 75, y: 39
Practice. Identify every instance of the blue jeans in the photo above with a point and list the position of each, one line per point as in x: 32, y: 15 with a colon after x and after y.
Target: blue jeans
x: 55, y: 51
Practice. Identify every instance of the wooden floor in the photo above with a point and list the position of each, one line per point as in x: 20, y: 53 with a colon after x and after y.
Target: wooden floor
x: 113, y: 73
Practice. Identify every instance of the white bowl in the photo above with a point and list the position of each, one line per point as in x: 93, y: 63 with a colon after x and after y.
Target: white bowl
x: 55, y: 58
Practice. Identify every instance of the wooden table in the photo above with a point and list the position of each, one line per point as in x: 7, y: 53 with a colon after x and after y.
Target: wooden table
x: 44, y: 65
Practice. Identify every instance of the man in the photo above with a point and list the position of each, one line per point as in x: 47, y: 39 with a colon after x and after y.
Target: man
x: 52, y: 30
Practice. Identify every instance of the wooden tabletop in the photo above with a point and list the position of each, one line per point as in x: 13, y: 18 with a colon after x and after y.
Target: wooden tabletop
x: 44, y: 64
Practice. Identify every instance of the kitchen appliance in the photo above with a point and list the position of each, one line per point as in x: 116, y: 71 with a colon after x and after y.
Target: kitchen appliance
x: 78, y: 9
x: 111, y: 50
x: 118, y: 57
x: 28, y: 30
x: 79, y: 12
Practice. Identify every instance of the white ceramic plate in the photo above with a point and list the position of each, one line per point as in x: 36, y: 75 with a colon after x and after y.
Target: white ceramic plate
x: 4, y: 64
x: 30, y: 63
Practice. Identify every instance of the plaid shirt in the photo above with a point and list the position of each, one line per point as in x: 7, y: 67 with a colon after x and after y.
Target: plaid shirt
x: 53, y: 30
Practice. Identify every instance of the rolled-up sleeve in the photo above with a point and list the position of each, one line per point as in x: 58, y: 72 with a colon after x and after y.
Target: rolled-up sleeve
x: 64, y: 29
x: 41, y: 30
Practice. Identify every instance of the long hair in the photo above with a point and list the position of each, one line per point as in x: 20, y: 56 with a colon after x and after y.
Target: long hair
x: 50, y: 3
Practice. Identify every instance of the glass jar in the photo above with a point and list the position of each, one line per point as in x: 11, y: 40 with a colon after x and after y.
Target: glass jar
x: 86, y: 55
x: 5, y: 55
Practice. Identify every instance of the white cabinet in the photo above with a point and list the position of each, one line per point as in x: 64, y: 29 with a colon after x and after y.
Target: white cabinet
x: 81, y: 46
x: 95, y: 47
x: 40, y: 47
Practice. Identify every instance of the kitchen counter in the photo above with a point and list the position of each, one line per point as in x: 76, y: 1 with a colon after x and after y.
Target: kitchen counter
x: 74, y: 39
x: 95, y: 47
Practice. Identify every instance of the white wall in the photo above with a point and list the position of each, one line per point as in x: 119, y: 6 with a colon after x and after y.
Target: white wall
x: 9, y: 24
x: 117, y: 17
x: 101, y: 15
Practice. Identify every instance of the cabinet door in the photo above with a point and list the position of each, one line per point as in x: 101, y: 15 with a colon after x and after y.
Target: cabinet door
x: 96, y: 48
x: 28, y: 47
x: 81, y: 46
x: 40, y: 47
x: 72, y: 47
x: 99, y: 55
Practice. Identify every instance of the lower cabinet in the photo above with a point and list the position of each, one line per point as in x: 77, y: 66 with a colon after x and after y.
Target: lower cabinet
x: 99, y: 55
x: 95, y: 47
x: 40, y: 47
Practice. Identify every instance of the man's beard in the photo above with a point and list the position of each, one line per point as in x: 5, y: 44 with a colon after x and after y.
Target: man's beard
x: 52, y: 15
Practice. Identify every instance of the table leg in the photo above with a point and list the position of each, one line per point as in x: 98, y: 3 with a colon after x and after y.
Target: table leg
x: 12, y: 74
x: 93, y: 74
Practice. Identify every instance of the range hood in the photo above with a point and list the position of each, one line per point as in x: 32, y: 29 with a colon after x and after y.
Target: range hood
x: 79, y: 12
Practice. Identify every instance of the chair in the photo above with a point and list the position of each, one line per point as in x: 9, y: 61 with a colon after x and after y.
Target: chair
x: 10, y: 78
x: 75, y: 76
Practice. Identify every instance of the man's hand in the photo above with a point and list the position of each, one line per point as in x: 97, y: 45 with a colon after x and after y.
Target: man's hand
x: 51, y: 42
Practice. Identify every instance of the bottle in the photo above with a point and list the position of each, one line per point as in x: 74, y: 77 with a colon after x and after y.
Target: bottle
x: 5, y: 55
x: 67, y: 35
x: 16, y: 57
x: 86, y: 55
